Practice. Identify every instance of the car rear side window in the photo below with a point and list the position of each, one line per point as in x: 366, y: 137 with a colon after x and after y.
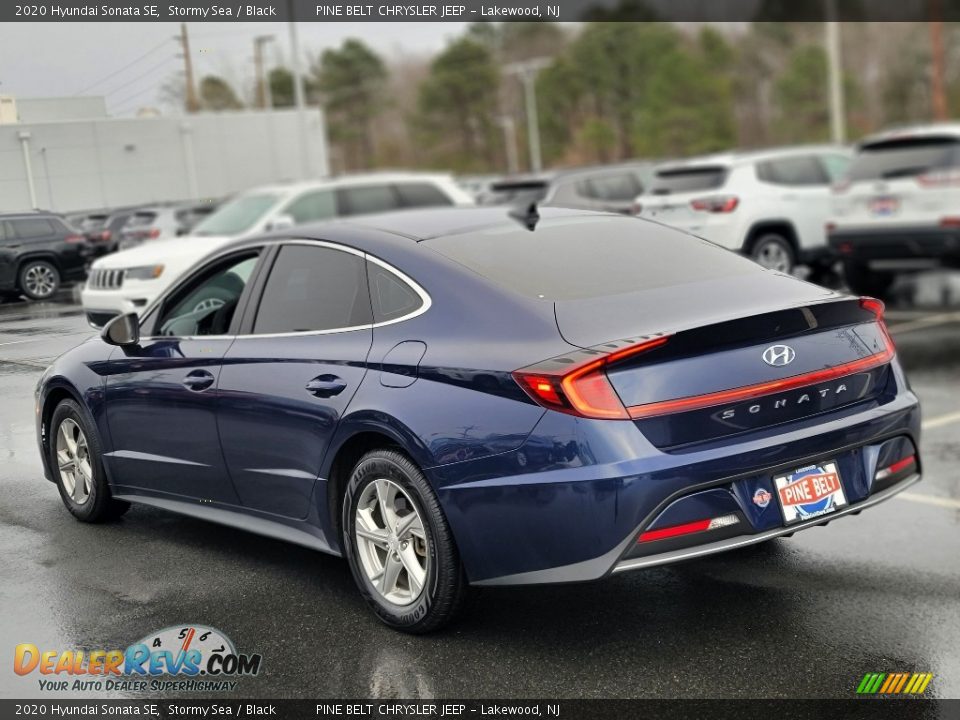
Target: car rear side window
x: 689, y: 179
x: 591, y: 256
x: 904, y: 157
x: 801, y: 170
x: 367, y: 199
x: 421, y: 195
x: 32, y: 228
x: 392, y: 297
x: 313, y: 206
x: 314, y: 288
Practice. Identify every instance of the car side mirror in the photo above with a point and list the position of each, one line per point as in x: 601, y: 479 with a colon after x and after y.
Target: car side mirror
x: 122, y: 331
x: 281, y: 222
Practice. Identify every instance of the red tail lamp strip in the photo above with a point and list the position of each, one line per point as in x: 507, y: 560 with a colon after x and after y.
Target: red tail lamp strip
x: 794, y: 382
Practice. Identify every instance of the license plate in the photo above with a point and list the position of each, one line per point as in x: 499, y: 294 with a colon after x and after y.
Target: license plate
x: 884, y: 206
x: 810, y: 492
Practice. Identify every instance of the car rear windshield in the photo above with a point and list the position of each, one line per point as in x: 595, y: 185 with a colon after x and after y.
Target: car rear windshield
x: 141, y: 218
x: 589, y: 256
x: 238, y: 215
x: 903, y: 157
x: 688, y: 179
x: 516, y: 192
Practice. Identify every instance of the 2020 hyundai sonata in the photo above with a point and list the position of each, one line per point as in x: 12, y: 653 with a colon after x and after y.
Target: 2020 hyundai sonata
x: 459, y: 396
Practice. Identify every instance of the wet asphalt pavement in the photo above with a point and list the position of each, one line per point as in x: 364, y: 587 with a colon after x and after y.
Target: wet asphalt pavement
x: 801, y: 617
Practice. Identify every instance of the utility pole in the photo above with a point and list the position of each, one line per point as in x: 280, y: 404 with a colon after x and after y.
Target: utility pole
x: 510, y: 142
x: 938, y: 86
x: 527, y: 71
x: 263, y: 80
x: 298, y: 93
x: 192, y: 103
x: 838, y: 115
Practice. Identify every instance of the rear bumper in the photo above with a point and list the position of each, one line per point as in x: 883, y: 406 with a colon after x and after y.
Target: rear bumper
x: 593, y: 488
x: 899, y: 243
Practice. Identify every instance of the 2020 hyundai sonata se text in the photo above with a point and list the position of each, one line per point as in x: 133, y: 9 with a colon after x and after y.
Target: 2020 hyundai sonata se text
x: 451, y: 397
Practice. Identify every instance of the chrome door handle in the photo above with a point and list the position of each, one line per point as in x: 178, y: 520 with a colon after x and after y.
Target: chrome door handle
x: 325, y: 386
x: 198, y: 380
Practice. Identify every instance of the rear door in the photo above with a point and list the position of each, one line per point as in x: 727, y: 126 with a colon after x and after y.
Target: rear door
x: 290, y: 376
x: 799, y: 188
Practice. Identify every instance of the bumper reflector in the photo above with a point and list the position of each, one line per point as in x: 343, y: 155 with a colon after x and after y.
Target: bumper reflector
x: 898, y: 466
x: 688, y: 528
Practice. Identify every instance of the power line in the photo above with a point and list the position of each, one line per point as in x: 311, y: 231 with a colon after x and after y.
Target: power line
x: 125, y: 67
x: 141, y: 75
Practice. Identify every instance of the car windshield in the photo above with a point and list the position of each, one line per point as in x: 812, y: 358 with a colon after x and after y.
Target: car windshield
x: 688, y: 179
x: 238, y: 215
x: 904, y: 157
x: 141, y: 218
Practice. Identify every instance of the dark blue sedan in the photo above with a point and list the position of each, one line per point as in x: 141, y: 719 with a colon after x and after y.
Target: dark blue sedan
x: 464, y: 396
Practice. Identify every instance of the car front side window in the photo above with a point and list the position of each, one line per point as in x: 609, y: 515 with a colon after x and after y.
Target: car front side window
x: 206, y: 304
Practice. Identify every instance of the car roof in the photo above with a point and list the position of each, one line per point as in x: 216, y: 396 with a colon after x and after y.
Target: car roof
x: 740, y: 157
x: 293, y: 188
x: 563, y: 173
x: 429, y: 223
x: 919, y: 131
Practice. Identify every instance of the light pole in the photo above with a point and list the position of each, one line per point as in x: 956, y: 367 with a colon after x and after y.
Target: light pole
x: 838, y: 123
x: 264, y: 99
x: 510, y: 141
x: 527, y: 71
x: 298, y: 92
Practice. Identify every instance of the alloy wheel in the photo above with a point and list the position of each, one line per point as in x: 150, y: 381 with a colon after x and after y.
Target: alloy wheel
x: 773, y: 256
x: 40, y: 281
x: 391, y: 542
x: 73, y: 461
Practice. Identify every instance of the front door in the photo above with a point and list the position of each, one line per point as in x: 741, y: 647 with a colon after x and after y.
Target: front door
x: 161, y: 395
x: 289, y: 377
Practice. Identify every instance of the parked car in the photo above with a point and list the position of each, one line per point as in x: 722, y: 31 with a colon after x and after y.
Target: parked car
x: 102, y: 228
x: 771, y: 205
x: 162, y: 222
x: 448, y: 398
x: 39, y: 252
x: 127, y: 281
x: 612, y: 188
x: 898, y: 208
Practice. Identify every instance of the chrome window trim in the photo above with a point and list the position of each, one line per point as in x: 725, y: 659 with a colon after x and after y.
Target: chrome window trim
x: 424, y: 295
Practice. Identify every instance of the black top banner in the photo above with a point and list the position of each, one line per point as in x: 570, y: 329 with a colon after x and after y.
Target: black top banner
x: 478, y: 10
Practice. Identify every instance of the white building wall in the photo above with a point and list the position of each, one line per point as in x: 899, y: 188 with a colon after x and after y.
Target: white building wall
x: 78, y: 165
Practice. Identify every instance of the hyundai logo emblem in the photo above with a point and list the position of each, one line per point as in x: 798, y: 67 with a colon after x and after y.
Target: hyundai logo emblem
x: 779, y: 355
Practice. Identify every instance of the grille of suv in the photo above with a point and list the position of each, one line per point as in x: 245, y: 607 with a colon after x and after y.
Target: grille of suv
x: 106, y: 279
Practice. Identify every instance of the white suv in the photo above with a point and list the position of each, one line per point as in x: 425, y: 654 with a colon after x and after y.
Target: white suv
x: 771, y: 205
x: 128, y: 281
x: 898, y: 208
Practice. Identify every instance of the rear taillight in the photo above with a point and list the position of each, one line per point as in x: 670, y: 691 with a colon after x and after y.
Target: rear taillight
x: 73, y: 239
x: 579, y: 385
x: 154, y: 233
x: 636, y: 209
x: 940, y: 178
x: 841, y: 186
x: 950, y: 222
x: 877, y: 308
x: 691, y: 528
x: 105, y: 236
x: 909, y: 462
x: 830, y: 227
x: 716, y: 203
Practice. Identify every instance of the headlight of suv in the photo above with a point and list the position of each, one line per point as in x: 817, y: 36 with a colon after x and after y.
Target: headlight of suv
x: 147, y: 272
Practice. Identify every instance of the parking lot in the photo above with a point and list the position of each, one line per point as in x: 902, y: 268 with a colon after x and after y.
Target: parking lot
x: 806, y: 616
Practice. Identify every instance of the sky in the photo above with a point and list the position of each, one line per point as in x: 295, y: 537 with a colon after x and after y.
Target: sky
x: 129, y: 62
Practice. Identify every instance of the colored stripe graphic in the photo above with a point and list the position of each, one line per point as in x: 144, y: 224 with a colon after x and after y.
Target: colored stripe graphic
x: 894, y: 683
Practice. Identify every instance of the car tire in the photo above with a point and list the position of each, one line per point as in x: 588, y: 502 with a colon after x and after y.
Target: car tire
x: 863, y: 281
x: 774, y: 252
x: 421, y: 584
x: 38, y: 279
x: 75, y: 457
